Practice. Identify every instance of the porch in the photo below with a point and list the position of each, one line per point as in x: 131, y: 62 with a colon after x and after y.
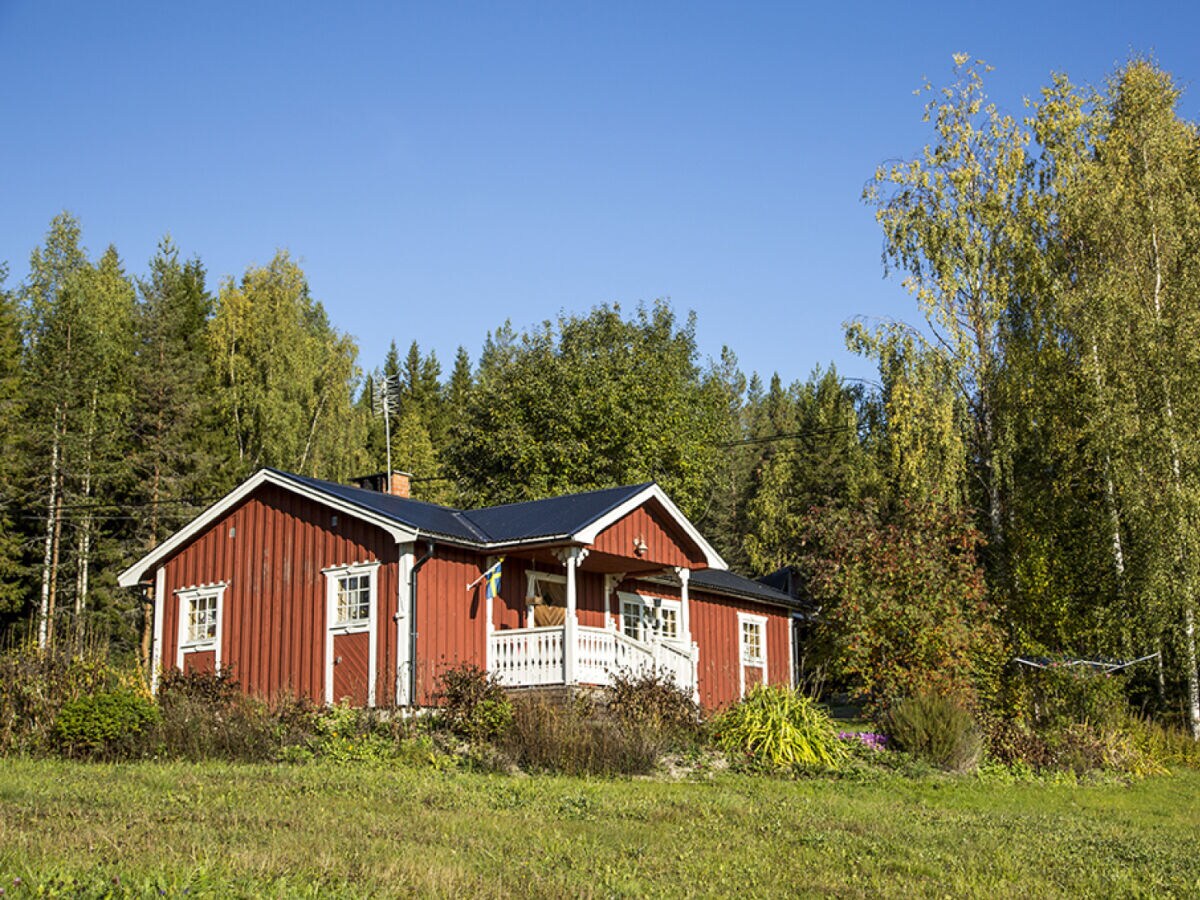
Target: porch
x: 577, y: 654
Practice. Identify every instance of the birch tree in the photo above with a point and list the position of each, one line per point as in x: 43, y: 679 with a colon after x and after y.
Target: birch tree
x: 955, y: 224
x: 285, y: 379
x: 1133, y: 222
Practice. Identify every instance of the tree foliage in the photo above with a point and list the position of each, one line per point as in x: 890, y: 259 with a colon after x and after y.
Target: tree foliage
x: 588, y: 402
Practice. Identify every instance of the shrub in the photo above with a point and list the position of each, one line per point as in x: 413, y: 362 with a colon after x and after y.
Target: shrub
x: 110, y: 724
x: 34, y: 685
x: 1011, y: 742
x: 346, y: 734
x: 1061, y: 696
x: 1167, y: 745
x: 206, y: 716
x: 937, y: 729
x: 776, y: 727
x: 571, y: 739
x: 475, y: 705
x: 651, y: 702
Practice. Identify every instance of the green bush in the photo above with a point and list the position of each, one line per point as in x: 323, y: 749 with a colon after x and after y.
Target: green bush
x: 112, y: 724
x: 1169, y: 745
x: 346, y: 734
x: 938, y: 729
x: 474, y: 704
x: 34, y: 684
x: 775, y: 727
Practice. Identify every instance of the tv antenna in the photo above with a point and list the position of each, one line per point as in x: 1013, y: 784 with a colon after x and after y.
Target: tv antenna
x: 385, y: 401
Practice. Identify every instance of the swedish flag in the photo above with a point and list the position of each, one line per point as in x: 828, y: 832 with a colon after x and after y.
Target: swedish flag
x: 493, y: 579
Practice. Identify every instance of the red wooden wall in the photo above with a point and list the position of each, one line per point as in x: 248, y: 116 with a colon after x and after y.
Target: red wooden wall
x: 666, y: 543
x: 270, y: 551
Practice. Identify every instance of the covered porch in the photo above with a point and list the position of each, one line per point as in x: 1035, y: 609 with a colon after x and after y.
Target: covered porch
x: 624, y: 633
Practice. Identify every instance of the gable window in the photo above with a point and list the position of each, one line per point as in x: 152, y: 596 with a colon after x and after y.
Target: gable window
x: 351, y: 596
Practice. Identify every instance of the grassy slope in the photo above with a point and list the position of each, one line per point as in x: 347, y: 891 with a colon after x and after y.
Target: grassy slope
x: 253, y: 830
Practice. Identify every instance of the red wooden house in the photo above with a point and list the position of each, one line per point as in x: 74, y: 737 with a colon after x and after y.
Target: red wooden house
x: 333, y: 592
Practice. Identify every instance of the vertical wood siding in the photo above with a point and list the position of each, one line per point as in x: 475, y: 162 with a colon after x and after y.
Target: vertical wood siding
x: 665, y: 543
x: 715, y: 629
x: 450, y: 619
x: 273, y: 619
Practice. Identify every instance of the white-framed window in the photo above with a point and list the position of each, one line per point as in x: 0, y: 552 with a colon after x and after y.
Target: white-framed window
x: 201, y: 625
x: 752, y: 646
x: 550, y: 590
x: 753, y: 639
x: 351, y: 590
x: 200, y: 610
x: 353, y: 599
x: 650, y: 618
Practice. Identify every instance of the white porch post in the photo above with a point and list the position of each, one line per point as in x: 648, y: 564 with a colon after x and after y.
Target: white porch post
x: 573, y: 558
x: 685, y: 614
x: 685, y: 608
x: 611, y: 582
x: 489, y: 622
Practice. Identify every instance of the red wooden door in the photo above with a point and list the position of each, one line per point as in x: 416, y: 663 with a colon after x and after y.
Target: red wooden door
x: 753, y: 676
x: 351, y: 667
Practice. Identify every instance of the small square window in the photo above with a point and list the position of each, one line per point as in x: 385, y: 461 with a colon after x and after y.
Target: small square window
x: 353, y: 599
x: 202, y: 619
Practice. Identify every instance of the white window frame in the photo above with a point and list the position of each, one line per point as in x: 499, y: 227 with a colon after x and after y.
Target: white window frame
x: 531, y: 589
x: 649, y: 618
x: 333, y: 577
x: 187, y: 597
x: 745, y: 661
x: 532, y: 580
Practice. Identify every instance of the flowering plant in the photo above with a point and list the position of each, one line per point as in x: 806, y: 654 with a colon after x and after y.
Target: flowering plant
x: 869, y: 739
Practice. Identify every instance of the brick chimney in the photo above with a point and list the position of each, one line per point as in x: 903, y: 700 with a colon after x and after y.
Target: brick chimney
x: 400, y: 484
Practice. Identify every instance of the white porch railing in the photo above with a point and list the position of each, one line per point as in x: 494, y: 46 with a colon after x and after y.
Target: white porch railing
x: 523, y: 657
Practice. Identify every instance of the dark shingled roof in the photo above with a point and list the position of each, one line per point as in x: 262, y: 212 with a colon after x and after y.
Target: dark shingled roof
x: 511, y: 523
x: 721, y: 581
x: 552, y: 517
x: 536, y: 519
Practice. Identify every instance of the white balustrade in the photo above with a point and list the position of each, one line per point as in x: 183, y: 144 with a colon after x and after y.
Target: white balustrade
x: 534, y: 656
x: 528, y: 656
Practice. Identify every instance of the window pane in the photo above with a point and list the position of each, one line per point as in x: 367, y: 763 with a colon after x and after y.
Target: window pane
x: 202, y: 618
x: 752, y: 642
x: 354, y: 598
x: 631, y: 620
x: 669, y: 623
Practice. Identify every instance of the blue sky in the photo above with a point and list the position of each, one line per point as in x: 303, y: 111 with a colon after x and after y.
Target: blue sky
x: 438, y: 168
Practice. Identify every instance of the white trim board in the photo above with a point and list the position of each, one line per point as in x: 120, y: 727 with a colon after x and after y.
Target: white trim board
x: 371, y: 626
x: 132, y: 576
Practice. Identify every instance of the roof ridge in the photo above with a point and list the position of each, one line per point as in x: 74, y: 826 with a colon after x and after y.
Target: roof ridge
x: 615, y: 487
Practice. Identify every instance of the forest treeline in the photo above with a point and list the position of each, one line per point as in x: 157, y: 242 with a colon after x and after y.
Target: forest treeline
x: 1024, y: 477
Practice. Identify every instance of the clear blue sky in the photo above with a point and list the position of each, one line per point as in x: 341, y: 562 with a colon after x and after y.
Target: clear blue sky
x: 440, y: 167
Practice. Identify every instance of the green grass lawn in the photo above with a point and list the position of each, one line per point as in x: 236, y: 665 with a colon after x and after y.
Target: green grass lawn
x: 323, y: 830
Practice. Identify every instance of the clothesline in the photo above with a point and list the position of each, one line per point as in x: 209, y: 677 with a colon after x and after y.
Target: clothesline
x: 1100, y: 665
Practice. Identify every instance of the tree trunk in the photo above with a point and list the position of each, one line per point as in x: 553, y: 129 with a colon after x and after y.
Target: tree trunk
x: 46, y: 605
